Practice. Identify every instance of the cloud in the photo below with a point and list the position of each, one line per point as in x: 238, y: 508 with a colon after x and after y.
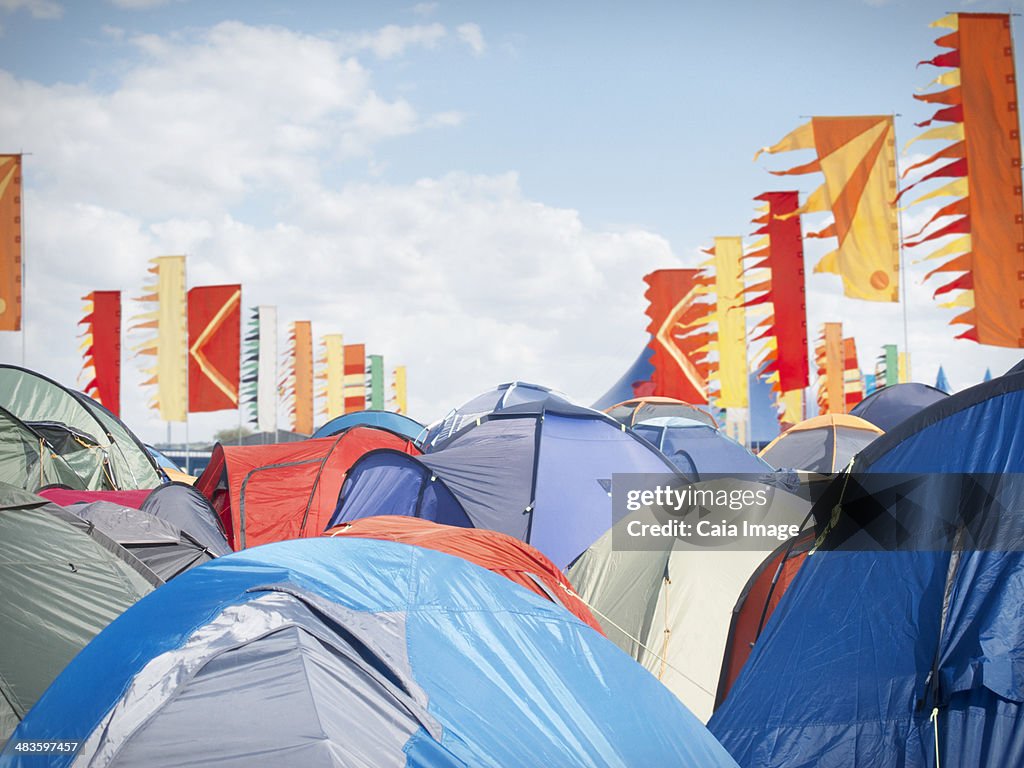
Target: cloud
x: 220, y: 144
x: 472, y: 36
x: 140, y: 5
x: 424, y: 9
x: 39, y: 9
x: 392, y: 41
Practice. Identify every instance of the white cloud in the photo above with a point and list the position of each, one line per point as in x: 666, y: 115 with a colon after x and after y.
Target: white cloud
x: 39, y: 9
x: 424, y: 9
x: 140, y: 5
x: 472, y: 36
x: 392, y: 41
x: 214, y: 145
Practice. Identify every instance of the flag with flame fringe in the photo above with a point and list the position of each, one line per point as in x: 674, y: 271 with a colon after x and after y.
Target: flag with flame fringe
x: 298, y: 384
x: 101, y: 348
x: 168, y: 344
x: 10, y: 242
x: 978, y: 115
x: 259, y: 368
x: 355, y: 377
x: 332, y: 374
x: 853, y: 382
x: 857, y: 157
x: 399, y: 398
x: 831, y: 363
x: 376, y: 371
x: 214, y: 337
x: 783, y: 362
x: 677, y: 307
x: 727, y: 373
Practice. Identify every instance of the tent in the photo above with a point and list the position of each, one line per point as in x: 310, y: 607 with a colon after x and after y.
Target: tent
x: 389, y: 420
x: 823, y: 444
x: 28, y: 461
x: 84, y: 432
x: 882, y: 648
x: 516, y: 561
x: 637, y: 381
x: 61, y: 582
x: 640, y: 409
x: 698, y: 450
x: 164, y: 548
x: 266, y: 493
x: 347, y: 651
x: 889, y: 406
x: 512, y: 395
x: 540, y: 472
x: 667, y: 601
x: 179, y: 504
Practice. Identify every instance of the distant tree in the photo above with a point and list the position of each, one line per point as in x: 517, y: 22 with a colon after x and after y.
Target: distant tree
x: 232, y: 435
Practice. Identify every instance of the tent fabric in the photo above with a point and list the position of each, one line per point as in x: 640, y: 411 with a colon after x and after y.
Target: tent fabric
x: 640, y: 409
x: 35, y: 399
x: 698, y: 450
x: 636, y: 381
x: 164, y: 548
x: 542, y: 477
x: 516, y: 561
x: 669, y: 605
x: 349, y: 651
x: 398, y: 423
x: 62, y: 582
x: 264, y: 493
x: 186, y: 508
x: 28, y: 461
x: 890, y: 406
x: 516, y: 395
x: 866, y: 643
x: 823, y: 444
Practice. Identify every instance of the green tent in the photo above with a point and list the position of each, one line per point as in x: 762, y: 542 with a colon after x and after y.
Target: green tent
x: 29, y: 461
x: 61, y: 582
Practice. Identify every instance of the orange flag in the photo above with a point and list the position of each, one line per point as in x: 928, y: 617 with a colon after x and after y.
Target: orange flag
x: 10, y: 242
x: 300, y: 376
x: 214, y: 351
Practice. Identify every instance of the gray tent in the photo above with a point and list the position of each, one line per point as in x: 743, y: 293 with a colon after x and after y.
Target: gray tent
x: 183, y: 506
x: 29, y: 461
x: 163, y: 547
x: 61, y: 582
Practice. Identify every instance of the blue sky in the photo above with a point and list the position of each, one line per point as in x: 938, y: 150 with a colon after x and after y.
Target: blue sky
x: 474, y: 189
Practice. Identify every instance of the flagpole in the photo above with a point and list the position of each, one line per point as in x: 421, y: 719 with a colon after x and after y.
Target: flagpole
x: 902, y: 263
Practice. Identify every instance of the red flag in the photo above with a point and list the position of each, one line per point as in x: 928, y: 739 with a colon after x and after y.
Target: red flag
x: 680, y: 369
x: 355, y: 377
x: 214, y: 347
x: 103, y: 351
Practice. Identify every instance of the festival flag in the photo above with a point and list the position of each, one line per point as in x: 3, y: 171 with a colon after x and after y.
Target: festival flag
x: 892, y: 366
x: 10, y: 242
x: 355, y: 377
x: 857, y: 157
x: 214, y: 336
x: 831, y: 365
x: 398, y: 390
x: 259, y: 375
x: 168, y: 345
x: 853, y: 384
x: 101, y: 348
x: 780, y: 251
x: 299, y: 383
x: 677, y: 307
x: 332, y: 374
x: 376, y: 382
x: 982, y: 172
x: 731, y: 319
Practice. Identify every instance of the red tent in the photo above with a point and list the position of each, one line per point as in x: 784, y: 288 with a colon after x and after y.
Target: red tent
x: 265, y: 493
x: 509, y: 557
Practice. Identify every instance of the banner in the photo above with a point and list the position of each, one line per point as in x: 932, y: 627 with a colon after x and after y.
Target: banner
x: 300, y: 376
x: 332, y: 374
x: 259, y: 375
x: 10, y: 242
x: 399, y: 398
x: 853, y: 383
x: 978, y: 114
x: 731, y: 316
x: 678, y: 309
x: 376, y: 382
x: 857, y: 156
x: 102, y: 348
x: 168, y: 345
x: 831, y: 364
x: 214, y: 336
x: 355, y: 377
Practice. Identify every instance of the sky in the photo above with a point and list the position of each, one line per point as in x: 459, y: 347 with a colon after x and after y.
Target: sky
x: 472, y: 189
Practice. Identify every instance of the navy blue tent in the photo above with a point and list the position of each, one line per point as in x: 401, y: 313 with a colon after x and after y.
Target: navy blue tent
x: 876, y: 651
x: 699, y: 450
x: 540, y: 472
x: 347, y: 651
x: 892, y: 405
x: 636, y: 379
x: 389, y: 420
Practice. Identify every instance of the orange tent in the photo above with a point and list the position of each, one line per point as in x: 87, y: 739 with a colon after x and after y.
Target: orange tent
x: 630, y: 412
x: 498, y: 552
x: 265, y: 493
x: 823, y: 444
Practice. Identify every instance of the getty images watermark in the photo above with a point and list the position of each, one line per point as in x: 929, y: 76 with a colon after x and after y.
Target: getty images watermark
x: 746, y: 512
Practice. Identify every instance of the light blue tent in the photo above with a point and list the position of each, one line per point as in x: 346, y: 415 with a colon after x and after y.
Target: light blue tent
x: 699, y: 450
x: 891, y: 638
x: 357, y: 652
x: 389, y: 420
